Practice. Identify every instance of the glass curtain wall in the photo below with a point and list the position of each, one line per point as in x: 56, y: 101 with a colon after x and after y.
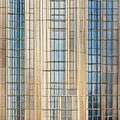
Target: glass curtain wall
x: 57, y: 62
x: 110, y: 59
x: 102, y: 59
x: 94, y: 59
x: 15, y: 46
x: 63, y: 99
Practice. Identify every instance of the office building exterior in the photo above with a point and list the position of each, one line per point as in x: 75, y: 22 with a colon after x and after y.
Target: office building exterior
x: 59, y: 60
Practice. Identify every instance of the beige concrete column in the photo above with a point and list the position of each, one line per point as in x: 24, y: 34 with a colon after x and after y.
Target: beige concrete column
x: 82, y: 53
x: 3, y: 83
x: 27, y: 59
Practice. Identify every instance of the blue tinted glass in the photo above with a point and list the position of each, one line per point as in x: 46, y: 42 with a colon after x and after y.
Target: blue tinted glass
x: 109, y: 102
x: 109, y: 89
x: 109, y: 11
x: 109, y: 44
x: 89, y: 11
x: 89, y: 77
x: 115, y: 4
x: 109, y: 52
x: 109, y: 4
x: 89, y: 89
x: 89, y: 51
x: 109, y: 17
x: 62, y: 56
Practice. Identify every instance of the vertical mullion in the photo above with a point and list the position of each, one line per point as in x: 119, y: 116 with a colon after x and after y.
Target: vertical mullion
x: 46, y: 53
x: 6, y: 65
x: 50, y: 57
x: 112, y: 41
x: 101, y: 54
x: 106, y: 56
x: 91, y: 57
x: 118, y: 9
x: 97, y: 54
x: 29, y: 58
x: 14, y: 104
x: 20, y: 57
x: 59, y: 30
x: 54, y: 59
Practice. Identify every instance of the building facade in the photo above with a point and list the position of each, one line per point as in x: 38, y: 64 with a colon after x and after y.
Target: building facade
x: 59, y: 60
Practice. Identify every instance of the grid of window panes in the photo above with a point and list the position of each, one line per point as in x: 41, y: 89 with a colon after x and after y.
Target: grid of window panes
x: 57, y: 62
x: 16, y: 84
x: 62, y: 98
x: 110, y: 57
x: 94, y: 52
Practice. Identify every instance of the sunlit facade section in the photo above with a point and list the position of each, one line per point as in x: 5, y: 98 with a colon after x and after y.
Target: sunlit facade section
x: 51, y: 27
x: 59, y: 60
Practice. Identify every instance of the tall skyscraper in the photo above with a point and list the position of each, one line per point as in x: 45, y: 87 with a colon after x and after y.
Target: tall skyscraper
x: 59, y: 60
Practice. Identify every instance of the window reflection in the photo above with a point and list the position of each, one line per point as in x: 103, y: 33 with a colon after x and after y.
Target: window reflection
x: 102, y: 61
x: 16, y: 60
